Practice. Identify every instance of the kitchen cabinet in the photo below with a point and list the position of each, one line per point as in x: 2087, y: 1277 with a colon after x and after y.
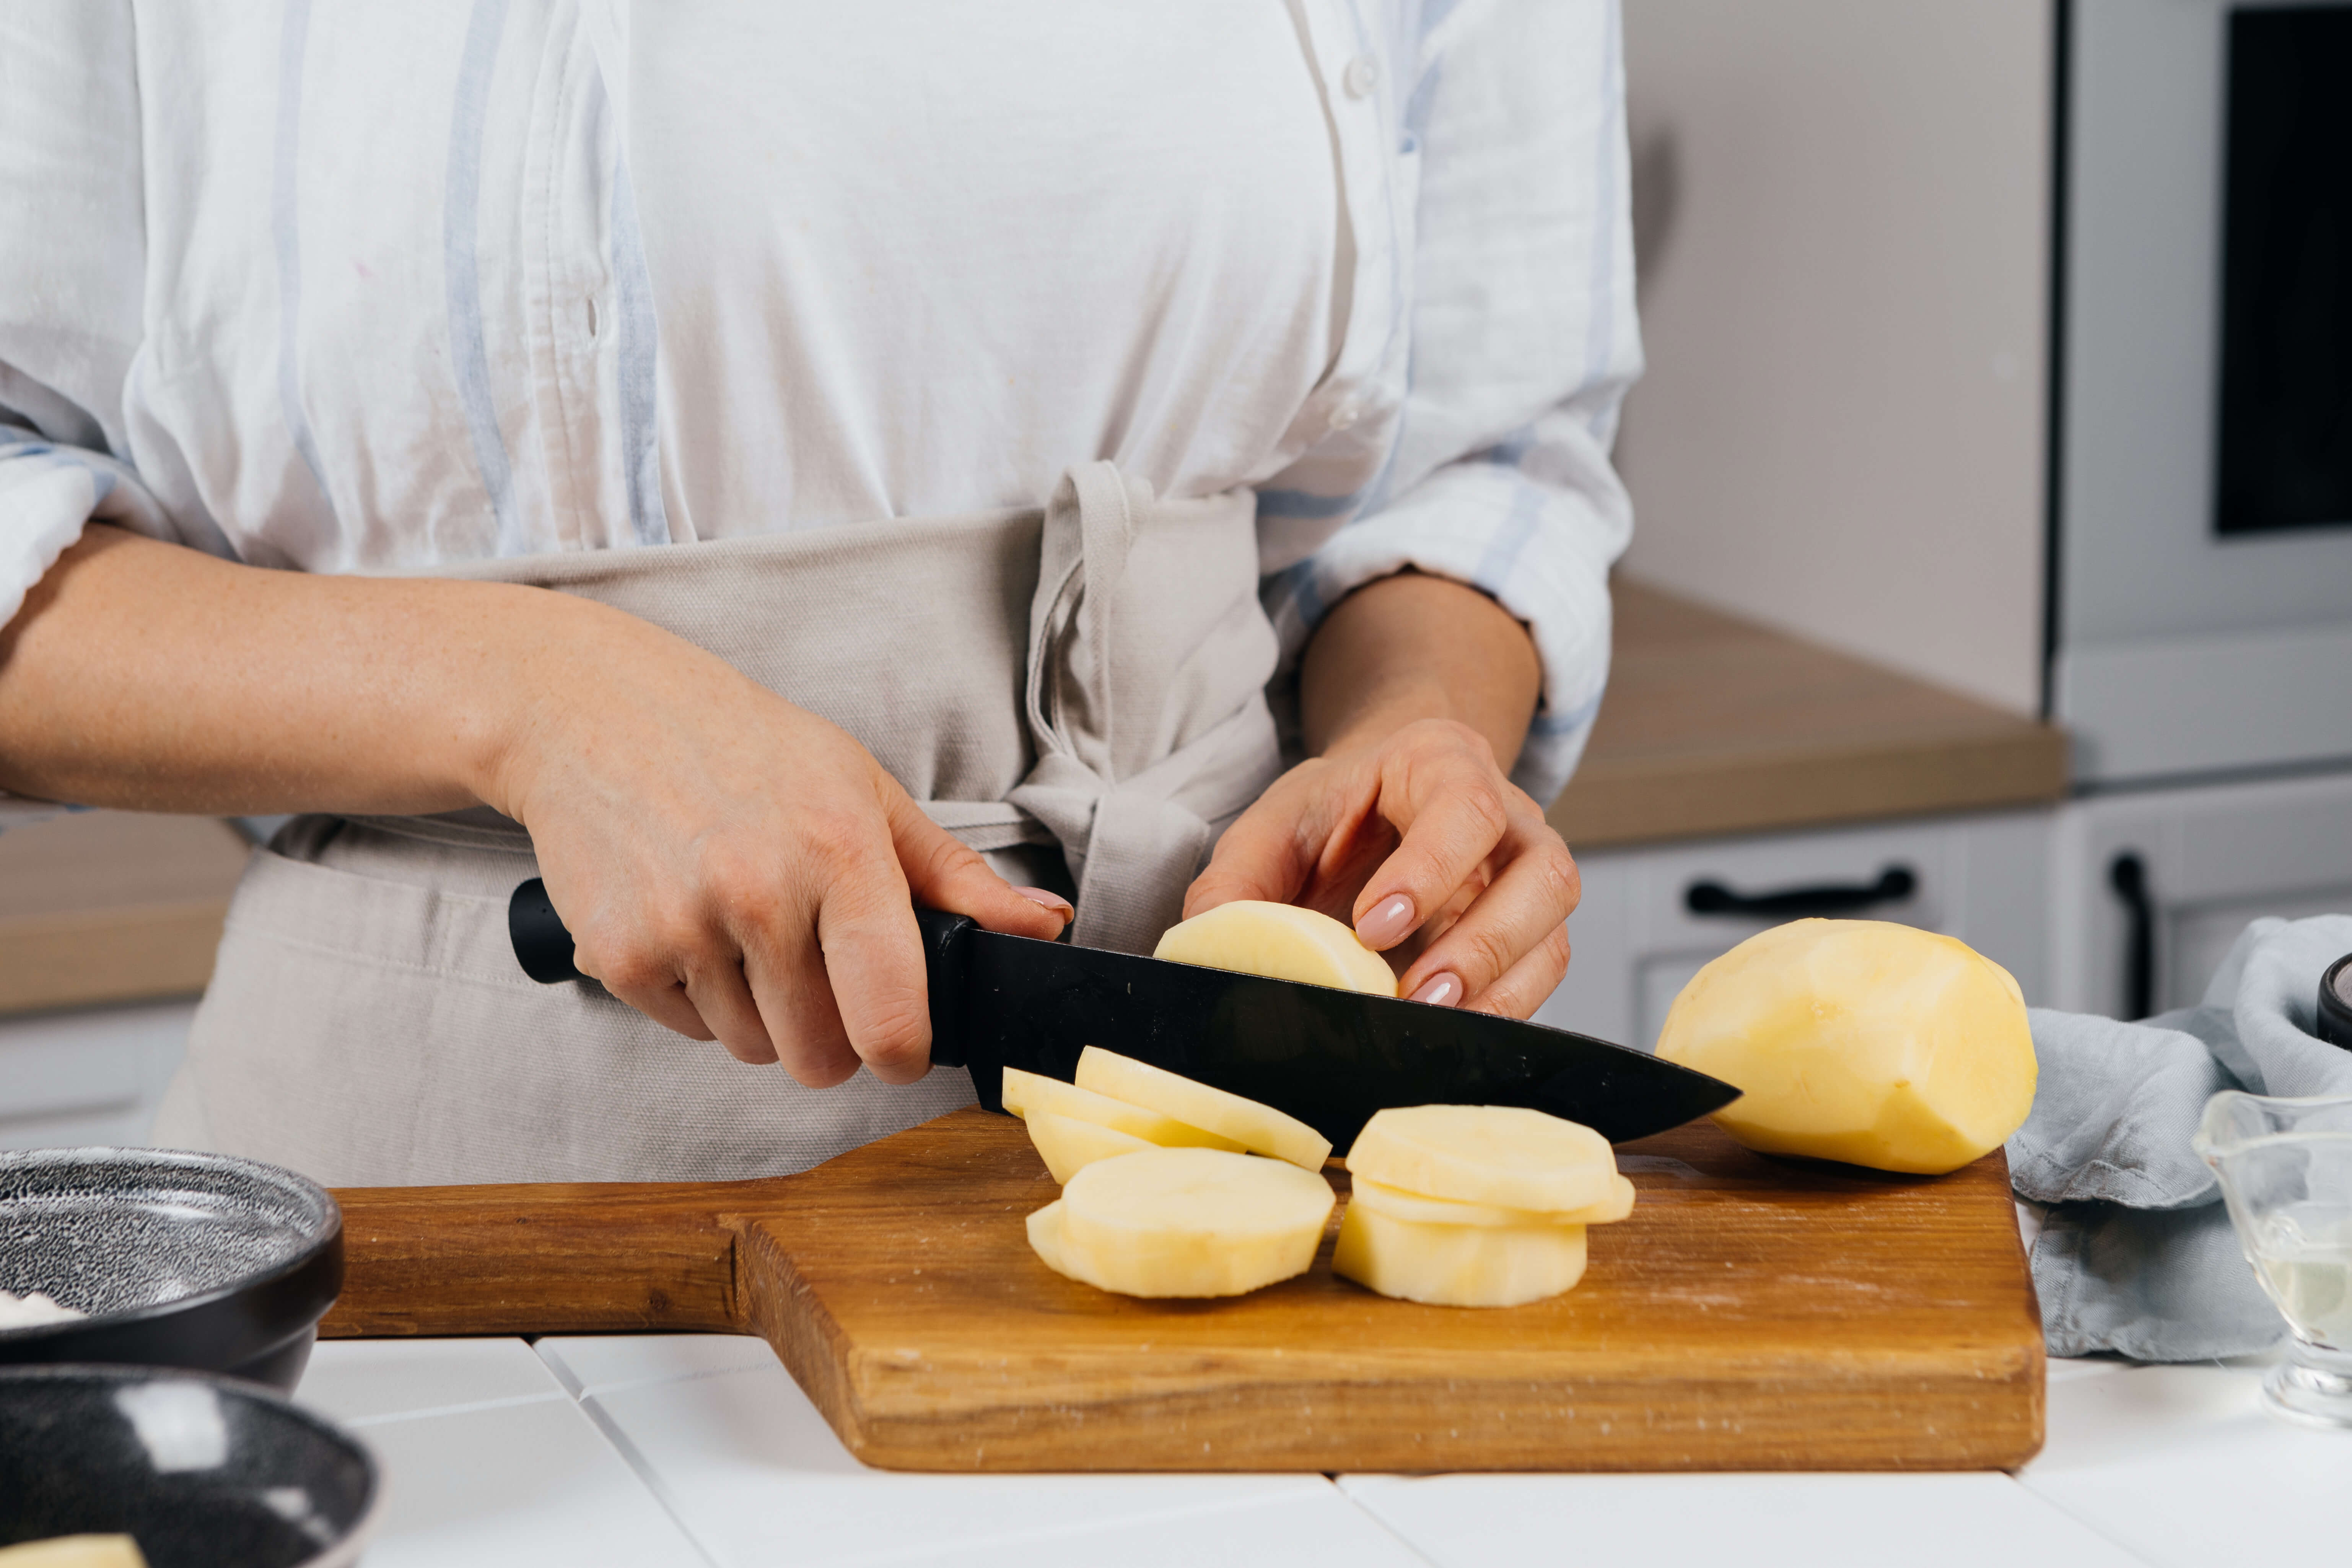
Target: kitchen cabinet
x: 2211, y: 859
x: 93, y: 1076
x: 1637, y: 939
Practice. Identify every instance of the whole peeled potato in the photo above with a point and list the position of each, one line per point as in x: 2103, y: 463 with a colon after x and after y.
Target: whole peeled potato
x: 1860, y: 1041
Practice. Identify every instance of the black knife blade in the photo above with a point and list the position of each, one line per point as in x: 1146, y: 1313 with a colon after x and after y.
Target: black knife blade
x: 1330, y: 1058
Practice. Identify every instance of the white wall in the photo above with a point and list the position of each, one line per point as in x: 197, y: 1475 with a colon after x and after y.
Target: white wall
x: 1842, y: 210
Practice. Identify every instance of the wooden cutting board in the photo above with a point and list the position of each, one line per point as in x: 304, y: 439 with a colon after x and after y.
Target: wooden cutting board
x: 1753, y: 1313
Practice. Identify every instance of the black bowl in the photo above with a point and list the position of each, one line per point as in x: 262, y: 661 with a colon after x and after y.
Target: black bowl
x: 181, y: 1260
x: 204, y: 1473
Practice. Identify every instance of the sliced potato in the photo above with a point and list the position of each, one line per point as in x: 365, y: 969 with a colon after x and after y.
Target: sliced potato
x: 1458, y: 1265
x: 1071, y: 1146
x: 75, y: 1552
x: 1860, y: 1041
x: 1245, y: 1122
x: 1506, y: 1155
x: 1280, y: 941
x: 1046, y: 1240
x: 1183, y: 1222
x: 1399, y: 1204
x: 1027, y: 1092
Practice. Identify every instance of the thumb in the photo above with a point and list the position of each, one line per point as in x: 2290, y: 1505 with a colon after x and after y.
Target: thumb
x: 943, y: 873
x: 1259, y: 857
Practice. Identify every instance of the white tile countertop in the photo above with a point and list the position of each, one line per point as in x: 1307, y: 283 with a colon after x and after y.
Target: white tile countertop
x: 698, y: 1450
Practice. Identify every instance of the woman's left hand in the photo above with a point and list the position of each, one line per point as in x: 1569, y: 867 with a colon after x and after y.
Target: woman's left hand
x: 1415, y: 838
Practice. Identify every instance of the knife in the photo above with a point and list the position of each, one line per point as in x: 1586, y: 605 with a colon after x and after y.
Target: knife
x: 1328, y: 1057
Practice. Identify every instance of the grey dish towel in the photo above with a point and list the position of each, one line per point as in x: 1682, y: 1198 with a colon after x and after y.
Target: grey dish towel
x: 2135, y: 1253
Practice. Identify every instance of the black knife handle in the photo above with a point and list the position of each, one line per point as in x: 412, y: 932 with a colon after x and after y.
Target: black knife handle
x: 541, y: 945
x: 945, y: 955
x: 543, y: 948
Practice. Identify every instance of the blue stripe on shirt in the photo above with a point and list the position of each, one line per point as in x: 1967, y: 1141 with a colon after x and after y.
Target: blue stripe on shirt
x: 1549, y: 725
x: 1601, y: 329
x: 1305, y: 504
x: 101, y: 479
x: 293, y: 45
x: 461, y: 196
x: 1510, y: 540
x: 633, y: 297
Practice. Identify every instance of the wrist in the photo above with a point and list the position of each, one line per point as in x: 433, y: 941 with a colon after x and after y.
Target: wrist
x: 1368, y: 724
x: 512, y: 688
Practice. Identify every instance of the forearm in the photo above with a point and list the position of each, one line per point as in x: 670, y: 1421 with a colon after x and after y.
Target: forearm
x: 1412, y: 647
x: 146, y: 676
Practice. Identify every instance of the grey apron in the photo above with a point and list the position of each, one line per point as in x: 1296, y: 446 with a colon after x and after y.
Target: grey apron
x: 1080, y: 685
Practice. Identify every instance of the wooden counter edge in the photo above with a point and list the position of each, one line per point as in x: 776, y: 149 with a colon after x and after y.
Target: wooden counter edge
x: 1625, y: 800
x: 142, y: 952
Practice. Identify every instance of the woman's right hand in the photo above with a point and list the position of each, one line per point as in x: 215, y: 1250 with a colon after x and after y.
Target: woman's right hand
x: 730, y: 866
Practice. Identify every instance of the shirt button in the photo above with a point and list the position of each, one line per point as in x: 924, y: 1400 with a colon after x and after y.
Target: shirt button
x: 1359, y: 78
x: 1346, y: 414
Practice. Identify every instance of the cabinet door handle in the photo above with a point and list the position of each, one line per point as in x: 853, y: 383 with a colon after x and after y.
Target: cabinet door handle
x: 2128, y: 874
x: 1896, y: 884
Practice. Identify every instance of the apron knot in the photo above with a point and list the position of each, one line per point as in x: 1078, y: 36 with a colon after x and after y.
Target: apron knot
x: 1149, y: 654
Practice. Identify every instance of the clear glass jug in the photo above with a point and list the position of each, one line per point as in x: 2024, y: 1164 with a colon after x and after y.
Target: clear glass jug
x: 2287, y: 1173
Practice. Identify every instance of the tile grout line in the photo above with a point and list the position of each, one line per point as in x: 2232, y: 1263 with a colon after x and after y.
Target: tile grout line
x: 1412, y: 1547
x: 384, y: 1417
x: 610, y: 1432
x: 583, y: 1391
x: 917, y: 1556
x: 2126, y: 1547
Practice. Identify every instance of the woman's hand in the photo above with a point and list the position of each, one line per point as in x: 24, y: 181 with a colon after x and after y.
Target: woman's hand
x: 1406, y: 825
x: 731, y: 865
x: 735, y: 867
x: 1418, y: 835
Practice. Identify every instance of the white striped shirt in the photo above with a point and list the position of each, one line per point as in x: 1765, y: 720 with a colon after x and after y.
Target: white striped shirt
x: 354, y: 286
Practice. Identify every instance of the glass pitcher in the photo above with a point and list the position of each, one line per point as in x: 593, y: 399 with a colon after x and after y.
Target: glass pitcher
x: 2285, y: 1167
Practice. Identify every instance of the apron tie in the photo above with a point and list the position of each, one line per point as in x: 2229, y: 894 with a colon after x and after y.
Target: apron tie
x: 1142, y: 756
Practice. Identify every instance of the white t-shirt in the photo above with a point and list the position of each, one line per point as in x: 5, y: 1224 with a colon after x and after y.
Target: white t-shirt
x: 983, y: 241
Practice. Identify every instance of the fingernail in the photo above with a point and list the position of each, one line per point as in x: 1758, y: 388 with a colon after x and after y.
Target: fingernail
x: 1388, y: 923
x: 1439, y: 990
x: 1052, y: 901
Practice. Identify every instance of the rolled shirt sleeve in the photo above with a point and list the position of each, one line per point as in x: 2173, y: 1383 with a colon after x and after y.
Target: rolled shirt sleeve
x: 72, y: 283
x: 1523, y: 343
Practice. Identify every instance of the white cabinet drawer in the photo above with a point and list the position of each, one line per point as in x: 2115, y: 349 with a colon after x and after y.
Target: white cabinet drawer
x: 2211, y: 859
x: 1637, y: 941
x: 94, y: 1076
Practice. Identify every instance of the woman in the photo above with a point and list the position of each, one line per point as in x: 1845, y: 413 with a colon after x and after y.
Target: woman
x: 1135, y: 458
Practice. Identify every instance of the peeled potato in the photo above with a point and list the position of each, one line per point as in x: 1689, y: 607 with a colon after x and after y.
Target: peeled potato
x: 1506, y: 1156
x: 1026, y: 1092
x: 1860, y: 1041
x: 1070, y: 1145
x: 1458, y: 1265
x: 1183, y: 1222
x: 1245, y: 1122
x: 1398, y: 1204
x: 75, y: 1552
x: 1281, y: 941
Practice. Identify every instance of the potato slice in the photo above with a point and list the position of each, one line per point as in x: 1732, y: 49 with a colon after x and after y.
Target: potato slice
x: 1027, y: 1092
x: 1281, y: 941
x: 1506, y: 1155
x: 1183, y: 1222
x: 1860, y: 1041
x: 1071, y: 1146
x: 1046, y: 1240
x: 1245, y: 1122
x: 1458, y: 1265
x: 1399, y: 1204
x: 75, y: 1552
